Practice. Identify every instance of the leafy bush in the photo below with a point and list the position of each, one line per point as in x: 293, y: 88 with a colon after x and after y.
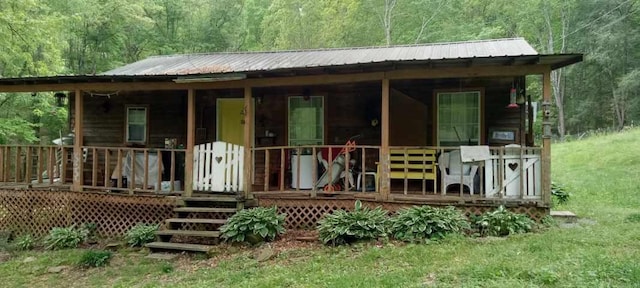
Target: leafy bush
x: 26, y: 242
x: 343, y: 227
x: 560, y: 195
x: 548, y: 221
x: 502, y: 222
x: 633, y: 218
x: 254, y: 225
x: 95, y: 258
x: 141, y: 234
x: 62, y: 238
x: 166, y: 267
x: 424, y: 222
x: 90, y: 230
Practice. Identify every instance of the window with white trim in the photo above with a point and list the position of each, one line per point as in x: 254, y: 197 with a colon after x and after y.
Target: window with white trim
x: 136, y: 125
x: 306, y: 120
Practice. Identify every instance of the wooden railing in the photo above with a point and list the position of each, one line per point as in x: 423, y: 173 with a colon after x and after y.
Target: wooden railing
x: 32, y: 164
x: 506, y: 173
x: 514, y: 172
x: 135, y: 170
x: 510, y: 173
x: 298, y: 169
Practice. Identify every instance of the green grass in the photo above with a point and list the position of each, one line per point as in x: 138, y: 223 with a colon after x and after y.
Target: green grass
x: 601, y: 173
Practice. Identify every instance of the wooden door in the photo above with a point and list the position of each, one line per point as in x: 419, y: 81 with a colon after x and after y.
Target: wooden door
x: 230, y: 121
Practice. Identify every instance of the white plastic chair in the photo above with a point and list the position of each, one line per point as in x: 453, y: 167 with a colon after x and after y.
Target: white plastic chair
x: 453, y: 171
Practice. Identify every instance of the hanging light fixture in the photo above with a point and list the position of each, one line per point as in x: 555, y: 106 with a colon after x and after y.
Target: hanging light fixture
x: 60, y: 97
x: 512, y: 98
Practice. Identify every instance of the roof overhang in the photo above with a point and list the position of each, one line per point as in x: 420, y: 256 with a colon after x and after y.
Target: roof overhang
x: 520, y: 65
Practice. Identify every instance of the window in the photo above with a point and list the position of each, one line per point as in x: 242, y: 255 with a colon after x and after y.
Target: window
x: 136, y: 125
x: 306, y: 120
x: 459, y: 118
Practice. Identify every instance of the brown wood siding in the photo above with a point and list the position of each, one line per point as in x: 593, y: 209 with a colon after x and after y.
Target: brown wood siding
x: 350, y: 108
x: 104, y: 117
x: 496, y: 99
x: 408, y: 120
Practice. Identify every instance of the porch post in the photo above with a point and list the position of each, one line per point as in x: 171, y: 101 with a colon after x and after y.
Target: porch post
x: 248, y: 125
x: 546, y: 137
x: 77, y: 143
x: 191, y: 125
x: 384, y: 142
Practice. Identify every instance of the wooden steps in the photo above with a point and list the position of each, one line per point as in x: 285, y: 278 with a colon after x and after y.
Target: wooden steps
x: 564, y: 216
x: 164, y: 246
x: 205, y: 210
x: 191, y: 233
x: 197, y: 221
x: 211, y: 199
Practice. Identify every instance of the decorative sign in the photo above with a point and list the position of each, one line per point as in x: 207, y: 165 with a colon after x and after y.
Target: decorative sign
x: 503, y: 135
x: 474, y: 153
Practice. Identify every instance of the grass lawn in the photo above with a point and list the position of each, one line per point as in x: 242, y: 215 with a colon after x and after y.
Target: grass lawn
x: 602, y: 173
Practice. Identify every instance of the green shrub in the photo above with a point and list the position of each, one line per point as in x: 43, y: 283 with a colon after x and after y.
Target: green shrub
x: 424, y: 222
x: 254, y: 225
x: 343, y: 227
x: 166, y: 267
x: 548, y: 221
x: 62, y: 238
x: 89, y: 229
x: 95, y: 258
x: 502, y: 222
x: 559, y: 193
x: 633, y: 218
x: 141, y: 234
x: 25, y: 242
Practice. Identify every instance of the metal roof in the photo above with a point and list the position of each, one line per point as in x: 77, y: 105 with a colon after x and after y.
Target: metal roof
x: 215, y: 63
x: 494, y: 53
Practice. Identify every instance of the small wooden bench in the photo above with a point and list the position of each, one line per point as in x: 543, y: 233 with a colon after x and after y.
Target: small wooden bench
x: 414, y: 164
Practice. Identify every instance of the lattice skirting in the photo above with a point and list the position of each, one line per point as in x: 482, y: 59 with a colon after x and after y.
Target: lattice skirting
x: 302, y: 214
x: 36, y: 212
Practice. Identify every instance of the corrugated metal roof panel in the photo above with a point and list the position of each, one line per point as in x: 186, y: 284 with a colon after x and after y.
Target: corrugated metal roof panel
x: 266, y: 61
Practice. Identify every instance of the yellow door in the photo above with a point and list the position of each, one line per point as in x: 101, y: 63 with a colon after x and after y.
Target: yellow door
x: 230, y: 121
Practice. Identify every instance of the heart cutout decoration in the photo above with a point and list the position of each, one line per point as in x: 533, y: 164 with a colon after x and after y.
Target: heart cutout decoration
x: 513, y: 166
x: 219, y: 159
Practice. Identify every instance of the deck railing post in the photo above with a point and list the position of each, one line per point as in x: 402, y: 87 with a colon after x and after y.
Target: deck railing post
x: 385, y: 188
x: 248, y: 140
x: 77, y: 143
x: 546, y: 137
x: 188, y: 158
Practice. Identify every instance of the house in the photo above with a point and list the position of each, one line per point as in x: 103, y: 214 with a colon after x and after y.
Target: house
x: 437, y: 124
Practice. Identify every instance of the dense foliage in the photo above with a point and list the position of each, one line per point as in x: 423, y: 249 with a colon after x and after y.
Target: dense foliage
x: 41, y: 37
x: 345, y: 227
x: 141, y: 234
x: 95, y: 258
x: 420, y: 223
x: 254, y: 225
x: 65, y: 237
x: 559, y: 193
x: 25, y: 242
x: 502, y: 222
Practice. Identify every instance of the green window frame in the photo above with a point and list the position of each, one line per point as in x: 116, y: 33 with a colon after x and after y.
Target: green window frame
x: 459, y: 121
x: 306, y: 120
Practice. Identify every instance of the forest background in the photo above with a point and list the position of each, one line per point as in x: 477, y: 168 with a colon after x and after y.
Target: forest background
x: 53, y: 37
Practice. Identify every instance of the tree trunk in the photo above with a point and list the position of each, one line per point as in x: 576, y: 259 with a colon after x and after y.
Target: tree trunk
x: 558, y: 95
x: 387, y: 18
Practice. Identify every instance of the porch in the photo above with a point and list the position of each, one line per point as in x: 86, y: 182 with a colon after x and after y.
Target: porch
x: 508, y: 174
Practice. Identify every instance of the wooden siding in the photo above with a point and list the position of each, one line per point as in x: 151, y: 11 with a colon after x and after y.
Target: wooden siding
x: 349, y: 110
x: 104, y: 117
x: 408, y: 120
